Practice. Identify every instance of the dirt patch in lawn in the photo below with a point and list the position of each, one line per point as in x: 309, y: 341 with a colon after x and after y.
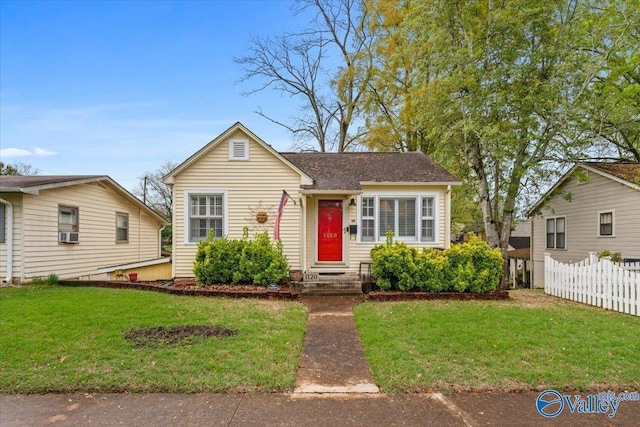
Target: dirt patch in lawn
x: 532, y: 298
x: 172, y: 335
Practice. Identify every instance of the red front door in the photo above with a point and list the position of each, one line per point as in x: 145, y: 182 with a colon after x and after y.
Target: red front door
x: 330, y: 230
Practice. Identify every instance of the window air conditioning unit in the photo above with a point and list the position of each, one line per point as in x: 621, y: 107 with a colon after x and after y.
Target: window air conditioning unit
x: 68, y: 238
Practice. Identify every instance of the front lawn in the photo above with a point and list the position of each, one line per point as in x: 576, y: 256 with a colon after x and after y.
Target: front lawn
x: 532, y: 342
x: 64, y: 339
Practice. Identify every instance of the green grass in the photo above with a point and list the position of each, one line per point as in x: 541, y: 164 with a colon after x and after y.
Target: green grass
x: 64, y: 339
x: 500, y: 345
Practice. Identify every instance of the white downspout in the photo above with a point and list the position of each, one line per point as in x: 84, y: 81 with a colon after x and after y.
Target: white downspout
x: 447, y: 213
x: 9, y: 240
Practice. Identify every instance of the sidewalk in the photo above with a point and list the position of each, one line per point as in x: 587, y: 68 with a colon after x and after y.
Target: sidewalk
x: 334, y: 387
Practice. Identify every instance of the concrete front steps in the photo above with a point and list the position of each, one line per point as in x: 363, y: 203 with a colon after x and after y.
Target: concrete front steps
x: 338, y: 284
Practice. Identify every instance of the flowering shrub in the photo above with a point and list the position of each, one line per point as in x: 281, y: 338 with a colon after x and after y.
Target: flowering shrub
x: 467, y: 267
x: 223, y: 260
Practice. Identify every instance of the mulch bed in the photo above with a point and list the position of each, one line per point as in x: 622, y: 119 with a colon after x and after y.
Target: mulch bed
x: 230, y: 291
x: 170, y: 335
x: 408, y: 296
x: 284, y: 293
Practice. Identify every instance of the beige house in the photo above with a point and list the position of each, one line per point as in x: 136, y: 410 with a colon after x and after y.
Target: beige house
x: 71, y: 226
x: 342, y: 203
x: 593, y: 207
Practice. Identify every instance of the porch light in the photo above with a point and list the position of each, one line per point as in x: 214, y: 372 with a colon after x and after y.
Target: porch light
x: 352, y: 202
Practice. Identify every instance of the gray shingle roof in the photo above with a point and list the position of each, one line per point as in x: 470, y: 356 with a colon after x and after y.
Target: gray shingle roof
x: 345, y: 171
x: 623, y: 170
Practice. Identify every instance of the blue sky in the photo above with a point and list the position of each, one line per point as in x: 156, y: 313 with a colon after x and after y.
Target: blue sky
x: 119, y: 87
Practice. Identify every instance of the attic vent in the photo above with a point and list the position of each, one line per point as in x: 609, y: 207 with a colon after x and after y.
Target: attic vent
x: 239, y: 149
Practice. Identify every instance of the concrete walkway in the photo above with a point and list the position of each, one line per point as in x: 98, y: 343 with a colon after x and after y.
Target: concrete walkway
x: 332, y: 358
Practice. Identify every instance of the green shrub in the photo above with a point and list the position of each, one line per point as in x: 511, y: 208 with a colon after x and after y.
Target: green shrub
x: 615, y: 256
x: 258, y: 261
x: 467, y: 267
x: 50, y: 280
x: 432, y: 268
x: 394, y: 265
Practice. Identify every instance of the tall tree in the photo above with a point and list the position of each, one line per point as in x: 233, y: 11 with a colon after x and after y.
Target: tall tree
x: 610, y: 116
x: 496, y: 83
x: 155, y: 193
x: 326, y: 66
x: 391, y: 107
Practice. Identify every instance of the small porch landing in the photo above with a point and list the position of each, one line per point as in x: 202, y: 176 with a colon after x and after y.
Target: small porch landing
x: 331, y: 284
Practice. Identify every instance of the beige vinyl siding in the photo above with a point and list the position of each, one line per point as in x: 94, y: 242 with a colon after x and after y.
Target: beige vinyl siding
x: 600, y: 194
x: 249, y: 184
x: 357, y: 252
x: 16, y: 201
x: 97, y: 247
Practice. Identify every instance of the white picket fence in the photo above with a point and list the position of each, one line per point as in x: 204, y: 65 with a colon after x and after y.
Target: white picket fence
x: 594, y: 281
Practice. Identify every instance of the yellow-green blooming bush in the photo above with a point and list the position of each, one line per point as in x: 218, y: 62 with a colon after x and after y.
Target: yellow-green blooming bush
x: 468, y: 267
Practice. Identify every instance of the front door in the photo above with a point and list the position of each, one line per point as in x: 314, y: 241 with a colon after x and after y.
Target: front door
x: 329, y: 231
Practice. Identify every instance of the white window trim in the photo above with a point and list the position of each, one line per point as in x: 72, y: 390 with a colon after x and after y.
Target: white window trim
x: 555, y: 232
x: 73, y: 209
x: 246, y: 149
x: 187, y: 214
x: 613, y: 224
x: 418, y: 215
x: 128, y: 228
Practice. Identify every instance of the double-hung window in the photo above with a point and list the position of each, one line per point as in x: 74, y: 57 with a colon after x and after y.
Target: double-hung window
x: 556, y: 233
x: 409, y: 218
x: 122, y: 227
x: 605, y: 224
x: 68, y: 219
x: 428, y: 220
x: 368, y: 230
x: 206, y: 213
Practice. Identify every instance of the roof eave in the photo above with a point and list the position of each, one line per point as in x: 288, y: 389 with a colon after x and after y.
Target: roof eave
x: 610, y: 176
x: 564, y: 177
x: 312, y: 191
x: 549, y: 192
x: 410, y: 184
x: 21, y: 190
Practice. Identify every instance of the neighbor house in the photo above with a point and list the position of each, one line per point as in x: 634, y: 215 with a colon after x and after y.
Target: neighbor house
x: 342, y: 203
x: 72, y: 226
x: 593, y: 207
x: 519, y: 255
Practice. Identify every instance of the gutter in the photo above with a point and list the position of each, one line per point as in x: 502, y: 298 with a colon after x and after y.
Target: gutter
x: 9, y: 240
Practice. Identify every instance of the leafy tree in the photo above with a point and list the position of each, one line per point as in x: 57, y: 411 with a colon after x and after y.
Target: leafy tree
x: 326, y: 65
x: 17, y: 169
x: 492, y: 88
x: 610, y: 113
